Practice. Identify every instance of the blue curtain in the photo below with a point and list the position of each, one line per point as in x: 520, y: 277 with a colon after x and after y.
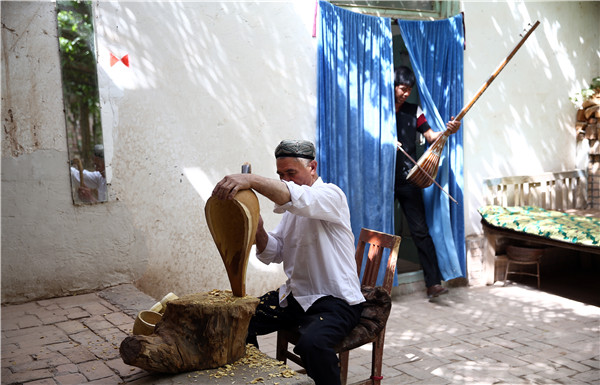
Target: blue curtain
x: 356, y: 129
x: 435, y: 49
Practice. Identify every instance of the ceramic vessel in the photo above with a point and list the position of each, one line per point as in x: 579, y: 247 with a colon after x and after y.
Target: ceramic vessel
x: 145, y: 322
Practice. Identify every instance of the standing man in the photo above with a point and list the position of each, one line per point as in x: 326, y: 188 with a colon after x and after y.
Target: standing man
x: 314, y: 241
x: 410, y: 120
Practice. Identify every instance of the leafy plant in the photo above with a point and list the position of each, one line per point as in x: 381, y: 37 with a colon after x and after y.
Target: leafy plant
x: 580, y: 97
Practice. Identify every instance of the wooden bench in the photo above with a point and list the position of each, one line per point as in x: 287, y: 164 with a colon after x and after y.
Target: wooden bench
x: 561, y: 191
x: 552, y: 190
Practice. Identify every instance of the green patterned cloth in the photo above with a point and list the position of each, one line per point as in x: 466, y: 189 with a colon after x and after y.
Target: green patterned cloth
x: 546, y: 223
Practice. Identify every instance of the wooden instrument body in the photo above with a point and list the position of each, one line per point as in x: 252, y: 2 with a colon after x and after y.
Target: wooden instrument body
x: 428, y: 163
x: 233, y: 224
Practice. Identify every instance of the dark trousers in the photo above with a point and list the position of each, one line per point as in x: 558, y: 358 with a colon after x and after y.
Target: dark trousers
x: 411, y: 200
x: 323, y: 326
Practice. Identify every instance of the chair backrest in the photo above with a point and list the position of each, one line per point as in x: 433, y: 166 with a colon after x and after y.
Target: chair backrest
x: 377, y: 242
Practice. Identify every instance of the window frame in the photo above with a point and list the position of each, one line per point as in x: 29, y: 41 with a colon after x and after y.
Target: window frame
x: 441, y: 10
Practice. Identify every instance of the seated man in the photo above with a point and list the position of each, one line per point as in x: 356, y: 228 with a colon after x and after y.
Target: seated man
x: 92, y: 180
x: 314, y: 240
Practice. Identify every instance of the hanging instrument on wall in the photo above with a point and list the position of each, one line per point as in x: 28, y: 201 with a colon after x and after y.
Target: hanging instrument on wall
x: 425, y: 169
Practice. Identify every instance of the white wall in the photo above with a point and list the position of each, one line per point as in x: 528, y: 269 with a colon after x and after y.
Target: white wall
x: 212, y: 85
x: 524, y: 123
x: 49, y: 246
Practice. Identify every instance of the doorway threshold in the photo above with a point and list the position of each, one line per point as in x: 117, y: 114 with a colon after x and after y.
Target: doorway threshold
x: 409, y: 283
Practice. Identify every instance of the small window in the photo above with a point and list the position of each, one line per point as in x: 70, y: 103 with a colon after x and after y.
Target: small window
x: 402, y: 9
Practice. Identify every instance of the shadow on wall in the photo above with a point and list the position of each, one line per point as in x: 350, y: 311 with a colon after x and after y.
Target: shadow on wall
x: 523, y: 123
x: 211, y: 80
x: 209, y: 86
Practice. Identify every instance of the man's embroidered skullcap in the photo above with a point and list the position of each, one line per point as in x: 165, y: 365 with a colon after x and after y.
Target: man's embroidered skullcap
x: 99, y: 150
x: 295, y: 149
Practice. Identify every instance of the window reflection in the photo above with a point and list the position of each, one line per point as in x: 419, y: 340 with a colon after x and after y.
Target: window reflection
x: 82, y: 102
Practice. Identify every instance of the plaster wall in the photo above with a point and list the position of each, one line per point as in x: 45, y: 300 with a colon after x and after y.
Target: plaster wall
x: 49, y: 246
x: 210, y: 86
x: 524, y: 124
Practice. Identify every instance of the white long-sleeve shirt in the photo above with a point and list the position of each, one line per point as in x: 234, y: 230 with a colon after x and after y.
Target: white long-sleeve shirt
x: 92, y: 179
x: 314, y: 240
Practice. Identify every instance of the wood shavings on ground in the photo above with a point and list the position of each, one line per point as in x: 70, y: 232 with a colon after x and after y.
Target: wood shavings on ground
x: 265, y: 365
x: 215, y: 297
x: 223, y: 295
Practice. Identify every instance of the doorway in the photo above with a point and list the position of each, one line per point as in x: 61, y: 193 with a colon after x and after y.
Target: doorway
x: 408, y: 259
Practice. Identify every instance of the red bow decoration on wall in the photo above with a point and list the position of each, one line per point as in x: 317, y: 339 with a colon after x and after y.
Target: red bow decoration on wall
x: 114, y: 60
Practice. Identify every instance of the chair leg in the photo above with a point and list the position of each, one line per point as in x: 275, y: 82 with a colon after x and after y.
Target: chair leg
x: 538, y: 274
x: 377, y: 357
x: 344, y: 358
x: 506, y: 271
x: 281, y: 349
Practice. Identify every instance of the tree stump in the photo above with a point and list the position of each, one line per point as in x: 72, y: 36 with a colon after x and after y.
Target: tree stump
x: 196, y: 332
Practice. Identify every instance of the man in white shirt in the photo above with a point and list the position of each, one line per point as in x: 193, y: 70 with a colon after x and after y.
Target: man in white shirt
x: 92, y: 180
x: 315, y: 243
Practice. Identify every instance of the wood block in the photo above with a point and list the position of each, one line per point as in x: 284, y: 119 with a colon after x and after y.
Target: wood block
x: 591, y: 111
x: 591, y: 131
x: 197, y: 331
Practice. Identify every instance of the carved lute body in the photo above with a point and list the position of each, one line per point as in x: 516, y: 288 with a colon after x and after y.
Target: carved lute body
x: 233, y: 223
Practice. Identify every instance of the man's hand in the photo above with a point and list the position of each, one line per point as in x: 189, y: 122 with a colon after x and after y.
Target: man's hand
x: 453, y: 125
x: 262, y: 238
x: 273, y: 189
x: 231, y: 184
x: 86, y: 195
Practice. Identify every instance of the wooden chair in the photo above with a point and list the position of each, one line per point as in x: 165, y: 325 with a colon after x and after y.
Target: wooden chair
x: 371, y: 328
